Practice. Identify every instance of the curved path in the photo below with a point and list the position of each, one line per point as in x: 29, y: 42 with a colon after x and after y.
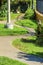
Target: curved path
x: 6, y: 49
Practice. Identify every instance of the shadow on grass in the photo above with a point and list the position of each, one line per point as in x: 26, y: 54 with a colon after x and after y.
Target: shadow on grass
x: 33, y: 41
x: 28, y: 41
x: 34, y: 20
x: 30, y: 57
x: 39, y: 54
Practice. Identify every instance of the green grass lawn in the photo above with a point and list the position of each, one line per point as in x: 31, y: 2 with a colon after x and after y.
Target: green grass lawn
x: 7, y: 61
x: 29, y: 46
x: 28, y: 23
x: 13, y: 16
x: 15, y: 31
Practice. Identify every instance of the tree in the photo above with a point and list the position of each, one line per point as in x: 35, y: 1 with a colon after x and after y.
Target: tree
x: 22, y: 4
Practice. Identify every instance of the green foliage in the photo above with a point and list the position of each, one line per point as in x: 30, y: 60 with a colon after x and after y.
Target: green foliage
x: 27, y: 23
x: 3, y: 10
x: 16, y: 1
x: 40, y: 40
x: 13, y: 16
x: 40, y: 36
x: 8, y: 61
x: 14, y: 6
x: 20, y: 6
x: 29, y: 14
x: 15, y: 31
x: 29, y: 46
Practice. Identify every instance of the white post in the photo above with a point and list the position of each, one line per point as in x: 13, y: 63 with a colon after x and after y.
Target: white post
x: 8, y: 12
x: 9, y: 25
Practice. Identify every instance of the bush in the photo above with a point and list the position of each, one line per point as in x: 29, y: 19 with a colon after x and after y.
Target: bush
x: 40, y: 36
x: 3, y: 10
x: 29, y: 14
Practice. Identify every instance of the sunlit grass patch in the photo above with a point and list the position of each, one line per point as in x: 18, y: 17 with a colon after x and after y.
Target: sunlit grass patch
x: 8, y: 61
x: 29, y: 46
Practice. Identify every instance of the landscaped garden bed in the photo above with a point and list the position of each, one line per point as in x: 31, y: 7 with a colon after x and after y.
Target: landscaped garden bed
x: 29, y: 46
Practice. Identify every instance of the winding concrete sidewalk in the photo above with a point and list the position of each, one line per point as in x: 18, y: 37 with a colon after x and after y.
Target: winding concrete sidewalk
x: 6, y: 49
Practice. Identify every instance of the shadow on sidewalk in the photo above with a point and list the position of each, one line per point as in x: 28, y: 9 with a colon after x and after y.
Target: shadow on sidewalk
x: 29, y: 57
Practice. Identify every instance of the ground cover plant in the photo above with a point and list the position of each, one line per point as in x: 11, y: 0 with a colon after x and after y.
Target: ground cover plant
x: 8, y: 61
x: 27, y: 23
x: 29, y: 46
x: 15, y: 31
x: 28, y: 19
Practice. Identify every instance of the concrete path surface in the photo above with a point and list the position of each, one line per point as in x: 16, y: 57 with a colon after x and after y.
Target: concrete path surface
x: 7, y: 50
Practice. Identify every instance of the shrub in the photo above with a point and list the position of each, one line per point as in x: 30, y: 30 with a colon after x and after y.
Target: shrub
x: 40, y: 36
x: 3, y: 10
x: 29, y: 14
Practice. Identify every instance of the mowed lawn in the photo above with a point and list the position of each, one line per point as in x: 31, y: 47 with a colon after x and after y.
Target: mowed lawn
x: 29, y: 46
x: 8, y: 61
x: 15, y: 31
